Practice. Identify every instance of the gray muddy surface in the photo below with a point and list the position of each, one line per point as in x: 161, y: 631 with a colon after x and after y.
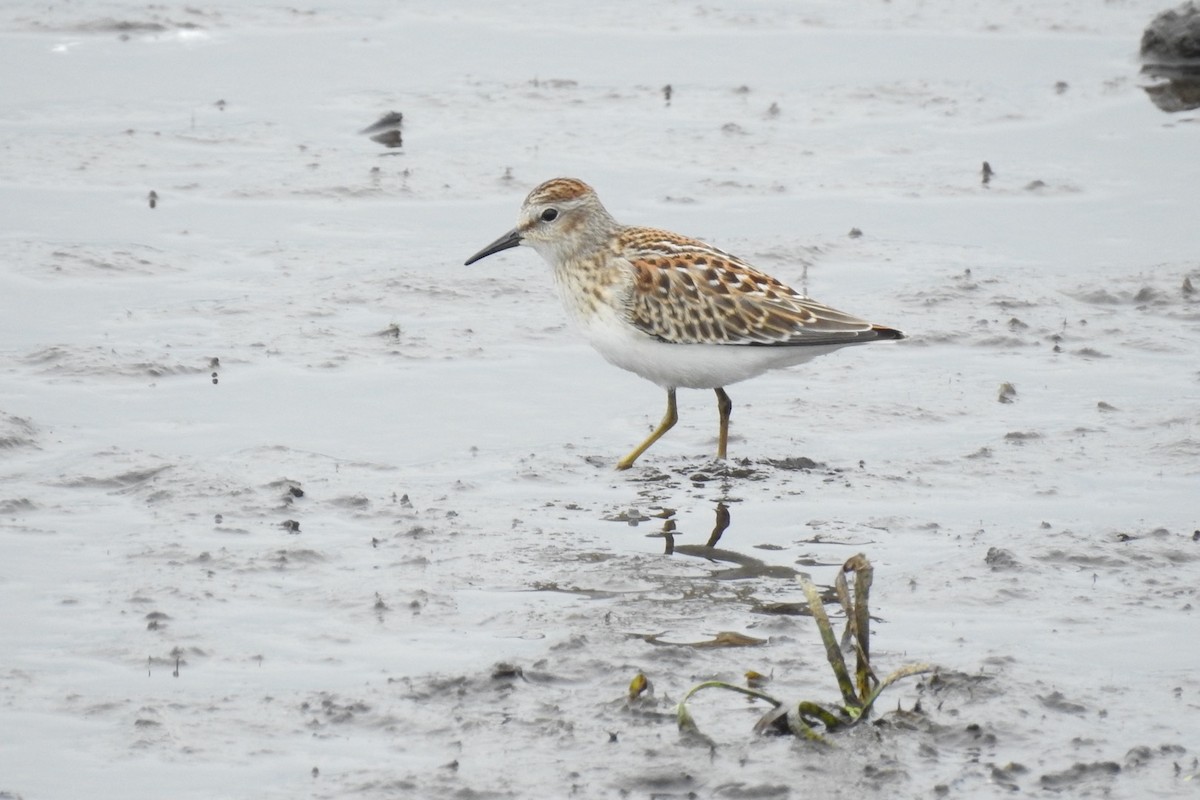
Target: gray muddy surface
x: 293, y: 504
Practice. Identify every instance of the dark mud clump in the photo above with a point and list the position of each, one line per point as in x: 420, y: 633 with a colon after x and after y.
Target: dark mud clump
x: 1077, y: 776
x: 16, y: 432
x: 746, y: 469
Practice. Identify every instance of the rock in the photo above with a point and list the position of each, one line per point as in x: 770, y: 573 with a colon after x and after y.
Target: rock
x: 1173, y: 38
x: 1171, y: 50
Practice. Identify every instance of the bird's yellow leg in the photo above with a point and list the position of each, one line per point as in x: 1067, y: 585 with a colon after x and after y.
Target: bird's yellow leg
x: 724, y: 406
x: 668, y: 421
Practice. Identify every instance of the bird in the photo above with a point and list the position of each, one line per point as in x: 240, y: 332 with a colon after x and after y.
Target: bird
x: 669, y: 308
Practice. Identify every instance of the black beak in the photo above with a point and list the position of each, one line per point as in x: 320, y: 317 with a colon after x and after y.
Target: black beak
x: 510, y: 239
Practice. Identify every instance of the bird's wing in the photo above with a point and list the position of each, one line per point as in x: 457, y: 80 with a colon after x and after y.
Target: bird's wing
x: 687, y: 292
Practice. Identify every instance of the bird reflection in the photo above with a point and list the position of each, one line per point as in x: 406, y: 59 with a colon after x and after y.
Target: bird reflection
x: 744, y: 566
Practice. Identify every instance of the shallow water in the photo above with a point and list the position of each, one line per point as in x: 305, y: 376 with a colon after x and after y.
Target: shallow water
x: 385, y: 553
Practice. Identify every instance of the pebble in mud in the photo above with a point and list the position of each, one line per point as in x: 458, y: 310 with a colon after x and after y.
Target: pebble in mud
x: 386, y: 130
x: 1000, y: 559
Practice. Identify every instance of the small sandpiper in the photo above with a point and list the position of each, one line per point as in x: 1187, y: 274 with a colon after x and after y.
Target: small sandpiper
x: 672, y: 309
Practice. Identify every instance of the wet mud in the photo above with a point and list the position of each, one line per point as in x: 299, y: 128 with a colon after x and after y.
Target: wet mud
x: 294, y: 505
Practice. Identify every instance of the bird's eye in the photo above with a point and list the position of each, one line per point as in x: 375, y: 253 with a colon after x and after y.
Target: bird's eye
x: 549, y: 215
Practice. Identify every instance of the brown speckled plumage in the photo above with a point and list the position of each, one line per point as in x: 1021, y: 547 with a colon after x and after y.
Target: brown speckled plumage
x: 685, y: 291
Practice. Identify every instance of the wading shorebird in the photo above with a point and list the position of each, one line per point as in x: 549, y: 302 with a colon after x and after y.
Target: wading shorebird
x: 672, y: 309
